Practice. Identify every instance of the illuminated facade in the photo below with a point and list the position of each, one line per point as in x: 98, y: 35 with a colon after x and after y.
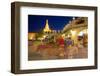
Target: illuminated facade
x: 76, y: 27
x: 47, y: 28
x: 31, y: 36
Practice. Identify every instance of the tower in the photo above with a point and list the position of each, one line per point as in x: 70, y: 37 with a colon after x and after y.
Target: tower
x: 46, y: 28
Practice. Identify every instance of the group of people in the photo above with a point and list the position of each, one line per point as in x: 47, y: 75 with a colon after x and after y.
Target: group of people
x: 71, y: 49
x: 66, y: 42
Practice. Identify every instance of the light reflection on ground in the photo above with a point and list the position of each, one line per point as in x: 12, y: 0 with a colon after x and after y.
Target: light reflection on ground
x: 40, y: 51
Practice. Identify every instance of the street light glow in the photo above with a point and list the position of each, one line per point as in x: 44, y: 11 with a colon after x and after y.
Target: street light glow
x: 73, y: 32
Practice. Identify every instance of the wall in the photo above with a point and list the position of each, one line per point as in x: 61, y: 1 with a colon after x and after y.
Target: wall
x: 5, y: 33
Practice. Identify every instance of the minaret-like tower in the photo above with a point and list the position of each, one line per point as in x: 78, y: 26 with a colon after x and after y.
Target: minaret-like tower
x: 46, y: 28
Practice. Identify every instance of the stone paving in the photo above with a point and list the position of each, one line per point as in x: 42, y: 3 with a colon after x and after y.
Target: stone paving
x: 50, y: 51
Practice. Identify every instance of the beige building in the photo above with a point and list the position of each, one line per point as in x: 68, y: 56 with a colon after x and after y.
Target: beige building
x: 31, y: 36
x: 75, y: 28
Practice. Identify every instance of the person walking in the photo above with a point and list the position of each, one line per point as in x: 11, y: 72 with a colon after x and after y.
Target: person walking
x: 66, y: 44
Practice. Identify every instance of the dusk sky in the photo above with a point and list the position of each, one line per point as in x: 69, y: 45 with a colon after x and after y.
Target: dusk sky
x: 37, y: 22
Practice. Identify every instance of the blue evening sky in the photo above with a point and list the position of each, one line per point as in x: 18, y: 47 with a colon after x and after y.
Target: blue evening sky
x: 36, y: 23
